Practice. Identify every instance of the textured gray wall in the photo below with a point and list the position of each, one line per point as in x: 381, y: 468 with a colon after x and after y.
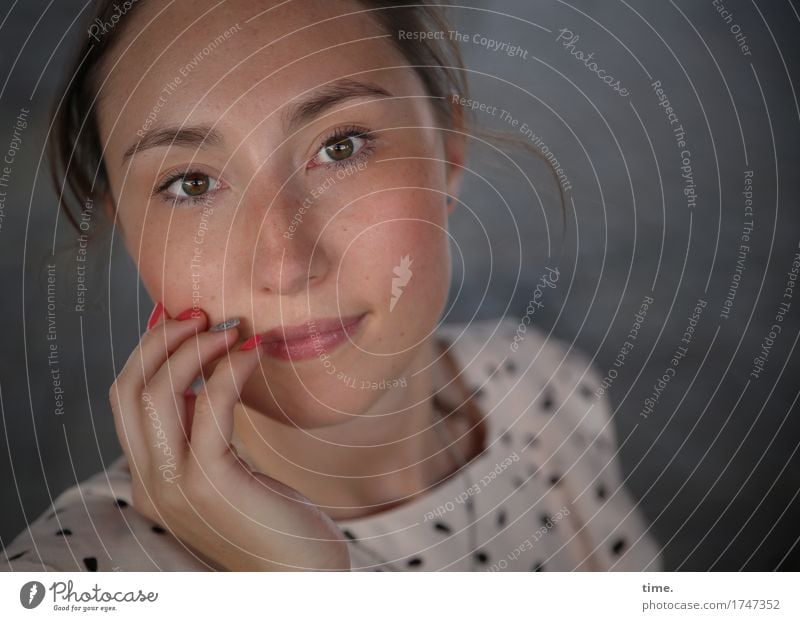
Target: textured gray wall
x: 714, y: 463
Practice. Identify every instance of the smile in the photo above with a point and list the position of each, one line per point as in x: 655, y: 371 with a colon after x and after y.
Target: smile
x: 313, y: 338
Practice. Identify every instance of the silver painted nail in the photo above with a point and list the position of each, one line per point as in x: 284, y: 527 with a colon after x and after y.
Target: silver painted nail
x: 197, y: 384
x: 228, y: 323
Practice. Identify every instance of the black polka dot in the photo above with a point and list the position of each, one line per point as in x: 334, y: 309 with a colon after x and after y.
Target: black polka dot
x: 545, y: 520
x: 65, y: 532
x: 157, y: 529
x: 348, y: 534
x: 530, y: 440
x: 505, y: 437
x: 121, y: 503
x: 510, y: 366
x: 477, y: 392
x: 442, y: 527
x: 17, y: 555
x: 547, y: 400
x: 601, y: 491
x: 555, y: 479
x: 414, y: 562
x: 481, y: 556
x: 518, y: 481
x: 584, y: 390
x: 91, y: 563
x: 618, y: 546
x: 537, y: 566
x: 501, y: 517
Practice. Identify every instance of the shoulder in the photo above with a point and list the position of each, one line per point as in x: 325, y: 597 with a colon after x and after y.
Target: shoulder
x: 523, y: 362
x: 574, y: 424
x: 544, y: 393
x: 505, y: 338
x: 93, y: 526
x: 567, y: 383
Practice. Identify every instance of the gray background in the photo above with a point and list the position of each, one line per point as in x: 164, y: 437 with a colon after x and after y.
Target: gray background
x: 715, y: 465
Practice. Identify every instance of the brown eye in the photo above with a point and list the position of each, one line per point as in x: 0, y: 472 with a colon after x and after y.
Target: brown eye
x: 340, y: 150
x: 195, y: 185
x: 189, y: 186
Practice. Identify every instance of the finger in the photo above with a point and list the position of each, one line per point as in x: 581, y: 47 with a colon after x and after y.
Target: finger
x: 189, y: 400
x: 126, y: 391
x: 212, y: 427
x: 168, y: 385
x: 158, y: 315
x: 127, y: 427
x: 154, y: 348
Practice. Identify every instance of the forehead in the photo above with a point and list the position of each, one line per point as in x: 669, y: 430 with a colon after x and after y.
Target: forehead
x: 209, y: 54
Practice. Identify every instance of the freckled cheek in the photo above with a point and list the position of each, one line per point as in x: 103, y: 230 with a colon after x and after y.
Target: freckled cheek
x: 401, y: 225
x: 167, y: 278
x: 164, y: 261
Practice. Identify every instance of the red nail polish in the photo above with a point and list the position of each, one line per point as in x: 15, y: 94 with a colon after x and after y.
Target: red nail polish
x: 252, y: 342
x: 158, y: 309
x: 189, y: 313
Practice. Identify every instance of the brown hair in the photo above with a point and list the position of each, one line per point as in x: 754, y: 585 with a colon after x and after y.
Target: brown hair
x: 74, y: 149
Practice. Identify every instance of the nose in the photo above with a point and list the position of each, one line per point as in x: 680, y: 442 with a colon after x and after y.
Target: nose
x: 289, y: 250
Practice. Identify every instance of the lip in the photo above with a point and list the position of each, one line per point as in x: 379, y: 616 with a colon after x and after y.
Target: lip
x: 310, y: 339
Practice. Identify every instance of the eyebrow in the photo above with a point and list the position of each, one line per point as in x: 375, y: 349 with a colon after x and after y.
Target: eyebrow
x: 321, y: 100
x: 328, y: 96
x: 175, y: 135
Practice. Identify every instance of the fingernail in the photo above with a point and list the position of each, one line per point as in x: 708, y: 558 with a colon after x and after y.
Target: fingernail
x: 189, y: 313
x: 158, y: 310
x: 252, y: 342
x: 225, y: 325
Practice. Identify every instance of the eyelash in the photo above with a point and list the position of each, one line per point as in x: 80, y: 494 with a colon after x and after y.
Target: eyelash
x: 177, y: 200
x: 341, y: 133
x: 338, y: 135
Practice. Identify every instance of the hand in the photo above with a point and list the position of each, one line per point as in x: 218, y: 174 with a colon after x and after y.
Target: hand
x: 186, y: 474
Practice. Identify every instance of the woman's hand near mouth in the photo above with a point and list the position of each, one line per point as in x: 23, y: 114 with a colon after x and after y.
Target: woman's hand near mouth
x: 185, y: 472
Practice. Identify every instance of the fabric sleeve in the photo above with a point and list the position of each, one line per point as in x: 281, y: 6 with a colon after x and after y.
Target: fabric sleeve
x: 579, y: 448
x: 94, y: 527
x: 619, y: 535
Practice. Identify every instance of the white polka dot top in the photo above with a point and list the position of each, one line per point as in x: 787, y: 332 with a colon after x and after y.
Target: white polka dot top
x: 546, y: 494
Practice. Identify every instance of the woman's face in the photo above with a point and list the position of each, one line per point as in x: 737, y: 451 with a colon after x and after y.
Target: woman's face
x: 316, y: 186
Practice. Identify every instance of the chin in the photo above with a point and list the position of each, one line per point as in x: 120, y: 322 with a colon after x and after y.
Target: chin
x: 308, y: 402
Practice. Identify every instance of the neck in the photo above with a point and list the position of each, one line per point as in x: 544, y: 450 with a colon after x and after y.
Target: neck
x: 375, y: 460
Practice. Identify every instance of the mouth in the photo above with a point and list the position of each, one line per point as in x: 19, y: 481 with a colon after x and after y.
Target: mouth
x: 311, y: 339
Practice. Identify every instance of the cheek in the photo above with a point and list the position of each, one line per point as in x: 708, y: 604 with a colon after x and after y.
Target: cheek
x: 146, y: 243
x: 167, y: 260
x: 400, y: 250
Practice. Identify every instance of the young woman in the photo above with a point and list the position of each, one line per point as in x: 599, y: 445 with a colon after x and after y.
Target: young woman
x: 282, y: 174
